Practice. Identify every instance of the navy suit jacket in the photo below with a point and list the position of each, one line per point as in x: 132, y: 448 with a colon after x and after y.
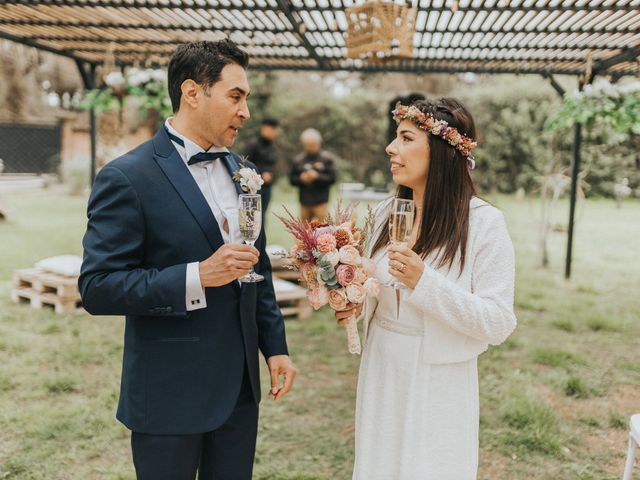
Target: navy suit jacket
x: 182, y: 371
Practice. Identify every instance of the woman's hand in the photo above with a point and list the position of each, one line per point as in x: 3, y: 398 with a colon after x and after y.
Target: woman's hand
x: 405, y: 265
x: 352, y: 310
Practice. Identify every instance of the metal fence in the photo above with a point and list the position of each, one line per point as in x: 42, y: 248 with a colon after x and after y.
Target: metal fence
x: 30, y: 147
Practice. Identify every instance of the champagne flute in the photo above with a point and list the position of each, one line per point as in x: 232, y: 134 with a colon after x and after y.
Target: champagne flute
x: 250, y: 220
x: 400, y: 227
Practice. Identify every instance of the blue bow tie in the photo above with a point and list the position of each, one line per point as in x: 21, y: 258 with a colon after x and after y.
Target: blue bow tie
x: 206, y: 156
x: 198, y: 157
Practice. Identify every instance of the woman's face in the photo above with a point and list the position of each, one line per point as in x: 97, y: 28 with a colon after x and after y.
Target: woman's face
x: 409, y: 155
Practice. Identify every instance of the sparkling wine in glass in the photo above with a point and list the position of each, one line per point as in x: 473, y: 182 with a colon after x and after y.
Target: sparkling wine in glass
x: 400, y: 227
x: 250, y: 220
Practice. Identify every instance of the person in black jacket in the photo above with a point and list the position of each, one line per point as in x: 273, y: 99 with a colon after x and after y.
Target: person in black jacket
x: 261, y: 151
x: 313, y: 172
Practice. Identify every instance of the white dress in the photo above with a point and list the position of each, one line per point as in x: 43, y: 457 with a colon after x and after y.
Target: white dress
x: 417, y: 407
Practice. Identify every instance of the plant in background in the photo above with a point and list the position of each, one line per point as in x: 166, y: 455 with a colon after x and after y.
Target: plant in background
x: 148, y: 86
x: 611, y: 115
x: 614, y: 106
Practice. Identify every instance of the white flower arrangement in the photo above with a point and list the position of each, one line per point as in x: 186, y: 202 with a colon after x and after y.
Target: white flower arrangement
x: 250, y: 181
x: 115, y: 80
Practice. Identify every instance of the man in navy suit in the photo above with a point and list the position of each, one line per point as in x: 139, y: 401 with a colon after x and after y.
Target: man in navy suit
x: 163, y: 248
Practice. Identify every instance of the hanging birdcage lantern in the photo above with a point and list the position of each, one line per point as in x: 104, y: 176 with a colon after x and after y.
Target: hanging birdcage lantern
x: 380, y: 31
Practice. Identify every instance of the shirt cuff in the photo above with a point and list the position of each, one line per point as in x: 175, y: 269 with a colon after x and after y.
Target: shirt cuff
x: 194, y: 293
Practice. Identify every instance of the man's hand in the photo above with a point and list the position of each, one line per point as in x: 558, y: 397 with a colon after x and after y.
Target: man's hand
x: 267, y: 177
x: 304, y: 177
x: 313, y: 175
x: 229, y: 263
x: 309, y: 176
x: 281, y: 365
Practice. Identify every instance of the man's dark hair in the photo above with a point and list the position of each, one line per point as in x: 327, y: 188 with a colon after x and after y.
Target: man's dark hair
x: 272, y: 122
x: 201, y: 62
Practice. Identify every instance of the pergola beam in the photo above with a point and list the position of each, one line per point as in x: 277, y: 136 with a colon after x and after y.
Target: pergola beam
x: 418, y: 69
x: 33, y: 43
x: 120, y: 41
x: 210, y: 28
x: 278, y: 55
x: 289, y: 64
x: 296, y: 21
x: 137, y: 4
x: 628, y: 54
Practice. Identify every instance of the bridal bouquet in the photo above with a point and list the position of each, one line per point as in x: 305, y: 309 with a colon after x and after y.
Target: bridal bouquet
x: 329, y: 257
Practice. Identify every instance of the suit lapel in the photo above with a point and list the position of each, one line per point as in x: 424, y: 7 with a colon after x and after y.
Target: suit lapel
x: 169, y: 160
x: 232, y: 166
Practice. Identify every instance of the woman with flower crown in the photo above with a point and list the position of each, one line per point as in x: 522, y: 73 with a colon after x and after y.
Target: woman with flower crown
x: 417, y: 407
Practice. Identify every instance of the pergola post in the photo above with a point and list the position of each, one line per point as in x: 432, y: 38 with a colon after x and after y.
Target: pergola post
x: 88, y: 74
x: 575, y: 166
x: 575, y: 169
x: 94, y: 133
x: 556, y: 86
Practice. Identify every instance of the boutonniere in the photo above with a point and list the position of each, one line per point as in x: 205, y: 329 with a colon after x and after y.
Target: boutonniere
x: 250, y: 181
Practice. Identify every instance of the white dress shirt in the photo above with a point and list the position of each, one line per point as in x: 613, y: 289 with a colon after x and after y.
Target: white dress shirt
x: 219, y: 190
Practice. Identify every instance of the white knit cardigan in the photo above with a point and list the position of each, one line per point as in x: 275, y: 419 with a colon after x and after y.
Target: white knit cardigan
x: 464, y: 311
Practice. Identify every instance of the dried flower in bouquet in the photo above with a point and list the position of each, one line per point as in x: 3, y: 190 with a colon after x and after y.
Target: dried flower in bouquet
x: 329, y: 257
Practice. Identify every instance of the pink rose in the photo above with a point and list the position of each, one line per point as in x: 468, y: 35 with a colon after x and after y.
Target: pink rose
x: 345, y: 274
x: 318, y: 296
x: 326, y: 242
x: 355, y: 293
x: 361, y: 276
x: 372, y: 286
x: 338, y: 299
x: 349, y: 255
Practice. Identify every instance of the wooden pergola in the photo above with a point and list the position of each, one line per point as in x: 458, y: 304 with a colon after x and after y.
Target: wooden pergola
x: 544, y: 37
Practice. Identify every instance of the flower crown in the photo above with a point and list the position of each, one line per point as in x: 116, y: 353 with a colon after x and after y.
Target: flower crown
x: 440, y: 128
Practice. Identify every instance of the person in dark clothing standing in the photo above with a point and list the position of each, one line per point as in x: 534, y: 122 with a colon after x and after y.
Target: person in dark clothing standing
x: 262, y: 152
x: 313, y: 172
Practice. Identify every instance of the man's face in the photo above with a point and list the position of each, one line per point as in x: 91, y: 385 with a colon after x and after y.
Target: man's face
x: 311, y: 145
x: 269, y: 132
x: 222, y: 109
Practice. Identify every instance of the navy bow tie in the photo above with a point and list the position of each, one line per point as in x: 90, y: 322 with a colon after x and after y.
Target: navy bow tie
x: 198, y: 157
x: 206, y: 156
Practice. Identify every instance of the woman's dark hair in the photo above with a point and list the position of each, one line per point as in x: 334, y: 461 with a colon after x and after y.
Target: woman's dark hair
x: 445, y: 210
x: 201, y: 62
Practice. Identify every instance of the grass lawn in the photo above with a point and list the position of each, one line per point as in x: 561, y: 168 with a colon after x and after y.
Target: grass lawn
x: 555, y: 398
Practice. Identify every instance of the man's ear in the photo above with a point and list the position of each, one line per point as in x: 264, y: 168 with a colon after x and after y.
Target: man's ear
x: 190, y: 90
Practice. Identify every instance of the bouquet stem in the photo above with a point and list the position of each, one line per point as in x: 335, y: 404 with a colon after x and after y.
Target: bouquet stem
x: 353, y: 339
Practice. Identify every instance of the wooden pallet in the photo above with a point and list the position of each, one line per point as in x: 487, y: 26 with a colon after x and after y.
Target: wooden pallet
x: 291, y: 299
x: 42, y: 300
x: 45, y: 289
x: 46, y: 282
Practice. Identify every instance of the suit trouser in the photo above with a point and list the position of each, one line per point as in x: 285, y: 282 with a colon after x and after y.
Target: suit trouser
x: 226, y: 453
